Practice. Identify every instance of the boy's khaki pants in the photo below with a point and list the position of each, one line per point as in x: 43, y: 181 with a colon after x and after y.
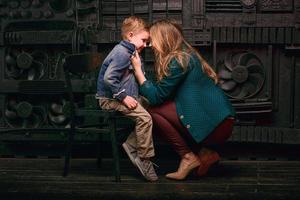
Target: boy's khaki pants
x: 141, y: 136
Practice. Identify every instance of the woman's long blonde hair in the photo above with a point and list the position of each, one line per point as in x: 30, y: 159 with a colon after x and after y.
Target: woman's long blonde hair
x: 168, y: 43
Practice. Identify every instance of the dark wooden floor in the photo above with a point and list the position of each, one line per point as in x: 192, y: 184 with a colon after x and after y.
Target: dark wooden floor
x: 23, y: 178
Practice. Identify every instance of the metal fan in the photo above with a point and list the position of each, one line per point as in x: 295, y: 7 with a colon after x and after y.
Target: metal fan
x: 22, y: 114
x: 241, y: 74
x: 26, y: 66
x: 59, y: 113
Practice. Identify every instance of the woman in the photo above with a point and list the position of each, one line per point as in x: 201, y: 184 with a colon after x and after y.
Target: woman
x: 188, y: 109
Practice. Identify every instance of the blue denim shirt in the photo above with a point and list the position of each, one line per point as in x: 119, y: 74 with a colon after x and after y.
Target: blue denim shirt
x: 116, y: 77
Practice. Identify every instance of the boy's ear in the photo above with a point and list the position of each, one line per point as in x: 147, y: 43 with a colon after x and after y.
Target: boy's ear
x: 130, y: 34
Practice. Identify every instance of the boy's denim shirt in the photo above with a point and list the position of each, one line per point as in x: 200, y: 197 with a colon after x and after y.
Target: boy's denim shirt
x: 116, y: 77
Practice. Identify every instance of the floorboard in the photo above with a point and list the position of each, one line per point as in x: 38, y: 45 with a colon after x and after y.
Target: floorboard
x: 24, y: 178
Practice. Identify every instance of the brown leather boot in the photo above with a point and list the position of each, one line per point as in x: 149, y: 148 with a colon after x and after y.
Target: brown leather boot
x: 189, y: 162
x: 207, y: 158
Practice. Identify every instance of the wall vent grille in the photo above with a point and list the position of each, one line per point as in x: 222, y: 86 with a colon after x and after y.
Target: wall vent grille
x: 223, y: 6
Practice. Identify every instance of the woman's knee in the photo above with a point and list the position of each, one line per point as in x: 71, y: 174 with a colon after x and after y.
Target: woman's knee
x: 221, y: 134
x: 163, y: 109
x: 153, y: 110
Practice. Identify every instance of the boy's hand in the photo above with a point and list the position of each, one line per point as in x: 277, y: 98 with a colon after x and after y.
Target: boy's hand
x: 129, y: 102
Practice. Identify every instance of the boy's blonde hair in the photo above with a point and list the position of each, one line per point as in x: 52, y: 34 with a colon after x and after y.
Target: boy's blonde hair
x: 133, y: 24
x: 167, y: 38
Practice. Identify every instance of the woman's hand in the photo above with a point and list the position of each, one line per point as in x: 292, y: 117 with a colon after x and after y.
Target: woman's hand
x: 137, y: 65
x: 136, y: 61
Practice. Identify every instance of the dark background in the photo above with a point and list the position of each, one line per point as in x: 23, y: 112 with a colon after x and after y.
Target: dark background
x: 254, y: 46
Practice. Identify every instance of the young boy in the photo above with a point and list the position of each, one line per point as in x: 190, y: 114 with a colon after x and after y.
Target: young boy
x: 117, y: 89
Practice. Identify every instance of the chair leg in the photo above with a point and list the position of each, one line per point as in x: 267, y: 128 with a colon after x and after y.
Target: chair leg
x: 68, y: 152
x: 99, y: 151
x: 112, y: 126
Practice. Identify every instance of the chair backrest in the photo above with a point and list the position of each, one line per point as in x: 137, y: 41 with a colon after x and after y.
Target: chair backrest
x: 75, y: 63
x: 78, y: 63
x: 82, y: 62
x: 41, y: 87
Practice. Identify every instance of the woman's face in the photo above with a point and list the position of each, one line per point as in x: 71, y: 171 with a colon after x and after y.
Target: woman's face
x: 152, y: 44
x: 157, y: 39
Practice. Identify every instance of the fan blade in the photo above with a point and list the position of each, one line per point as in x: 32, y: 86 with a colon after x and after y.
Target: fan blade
x: 228, y: 85
x: 31, y: 74
x: 235, y: 91
x: 242, y: 58
x: 60, y: 119
x: 41, y: 58
x: 40, y: 111
x: 10, y: 114
x: 10, y: 60
x: 13, y: 71
x: 36, y: 120
x: 243, y: 93
x: 256, y: 78
x: 25, y: 123
x: 254, y: 68
x: 23, y: 74
x: 57, y: 108
x: 38, y: 66
x: 228, y: 62
x: 247, y: 58
x: 224, y: 74
x: 251, y: 88
x: 11, y: 66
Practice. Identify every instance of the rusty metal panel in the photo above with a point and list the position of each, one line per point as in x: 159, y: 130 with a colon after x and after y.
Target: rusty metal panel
x: 255, y: 49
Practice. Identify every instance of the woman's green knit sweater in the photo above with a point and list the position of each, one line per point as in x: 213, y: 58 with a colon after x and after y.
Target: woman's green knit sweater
x: 201, y: 105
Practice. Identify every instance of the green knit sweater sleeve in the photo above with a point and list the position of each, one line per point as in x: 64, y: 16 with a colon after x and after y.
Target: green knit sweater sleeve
x: 157, y: 93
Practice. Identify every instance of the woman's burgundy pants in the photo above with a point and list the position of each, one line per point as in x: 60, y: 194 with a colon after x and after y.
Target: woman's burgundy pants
x: 167, y: 125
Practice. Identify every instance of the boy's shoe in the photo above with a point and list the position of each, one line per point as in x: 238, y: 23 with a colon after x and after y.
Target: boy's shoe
x: 130, y: 151
x: 146, y: 168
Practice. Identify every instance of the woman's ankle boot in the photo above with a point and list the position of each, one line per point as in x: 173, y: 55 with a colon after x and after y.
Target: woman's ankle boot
x: 207, y: 158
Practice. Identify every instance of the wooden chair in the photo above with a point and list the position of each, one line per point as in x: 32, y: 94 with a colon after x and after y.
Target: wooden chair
x: 77, y: 64
x: 84, y: 63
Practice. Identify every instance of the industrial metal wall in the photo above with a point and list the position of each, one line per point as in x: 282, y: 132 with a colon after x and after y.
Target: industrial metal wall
x: 254, y: 46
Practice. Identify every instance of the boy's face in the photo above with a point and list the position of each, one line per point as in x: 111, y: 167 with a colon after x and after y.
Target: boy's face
x: 139, y: 39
